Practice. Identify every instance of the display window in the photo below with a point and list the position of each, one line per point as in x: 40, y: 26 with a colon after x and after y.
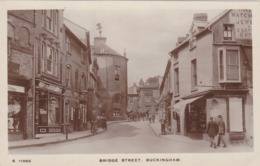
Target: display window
x: 49, y: 110
x: 14, y: 108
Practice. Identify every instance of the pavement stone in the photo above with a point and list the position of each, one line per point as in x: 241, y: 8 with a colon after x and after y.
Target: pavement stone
x: 55, y: 138
x: 204, y: 144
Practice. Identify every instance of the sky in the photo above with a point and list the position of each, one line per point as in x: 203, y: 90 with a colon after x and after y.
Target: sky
x: 147, y: 35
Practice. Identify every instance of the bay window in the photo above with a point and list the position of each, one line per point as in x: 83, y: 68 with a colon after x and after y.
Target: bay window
x: 229, y: 65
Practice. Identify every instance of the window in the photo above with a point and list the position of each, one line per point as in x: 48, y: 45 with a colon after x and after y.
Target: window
x: 147, y: 98
x: 68, y: 44
x: 82, y: 56
x: 193, y: 73
x: 116, y: 112
x: 50, y: 20
x: 229, y: 65
x: 76, y: 80
x: 83, y: 82
x: 228, y: 30
x: 193, y: 40
x: 68, y: 75
x: 176, y: 81
x: 50, y: 60
x: 116, y: 98
x: 117, y: 68
x: 43, y: 18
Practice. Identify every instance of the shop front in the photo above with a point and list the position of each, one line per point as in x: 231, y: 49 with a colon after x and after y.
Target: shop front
x: 194, y: 113
x: 19, y: 126
x: 48, y: 108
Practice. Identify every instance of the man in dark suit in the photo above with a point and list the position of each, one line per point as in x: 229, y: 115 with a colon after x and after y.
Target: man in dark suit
x: 212, y: 130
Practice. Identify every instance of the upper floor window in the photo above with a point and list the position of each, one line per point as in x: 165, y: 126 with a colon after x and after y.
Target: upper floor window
x: 228, y: 32
x: 193, y: 73
x: 176, y: 81
x: 68, y: 44
x: 83, y: 82
x: 117, y: 70
x: 49, y: 60
x: 52, y: 61
x: 50, y: 20
x: 68, y: 75
x: 76, y: 79
x: 229, y: 65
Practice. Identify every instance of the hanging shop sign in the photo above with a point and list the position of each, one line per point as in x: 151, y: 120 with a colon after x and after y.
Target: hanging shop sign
x: 49, y: 87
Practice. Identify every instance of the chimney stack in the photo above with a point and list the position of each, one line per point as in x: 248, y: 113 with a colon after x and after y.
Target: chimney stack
x: 200, y: 17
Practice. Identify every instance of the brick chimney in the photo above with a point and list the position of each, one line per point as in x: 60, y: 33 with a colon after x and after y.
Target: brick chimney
x: 200, y: 17
x: 100, y: 40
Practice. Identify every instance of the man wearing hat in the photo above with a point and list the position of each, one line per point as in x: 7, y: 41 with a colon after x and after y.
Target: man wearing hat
x: 221, y: 131
x: 212, y: 130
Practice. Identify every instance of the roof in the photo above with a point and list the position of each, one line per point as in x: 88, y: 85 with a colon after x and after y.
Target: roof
x: 103, y: 49
x: 207, y: 26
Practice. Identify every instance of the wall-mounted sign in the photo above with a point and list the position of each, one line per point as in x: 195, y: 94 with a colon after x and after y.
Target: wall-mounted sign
x: 48, y: 130
x: 50, y: 87
x: 15, y: 88
x: 242, y: 20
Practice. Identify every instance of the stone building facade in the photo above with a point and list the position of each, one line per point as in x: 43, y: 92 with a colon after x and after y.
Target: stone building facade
x: 212, y: 76
x: 112, y: 80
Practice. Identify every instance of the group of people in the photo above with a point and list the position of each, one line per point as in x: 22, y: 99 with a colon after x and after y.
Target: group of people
x: 214, y: 129
x: 98, y: 121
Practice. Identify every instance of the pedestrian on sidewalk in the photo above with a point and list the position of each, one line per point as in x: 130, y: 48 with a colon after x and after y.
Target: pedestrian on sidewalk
x: 212, y: 131
x: 221, y: 131
x: 163, y: 123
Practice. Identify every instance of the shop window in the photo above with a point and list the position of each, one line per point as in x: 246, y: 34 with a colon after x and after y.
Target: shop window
x: 229, y: 65
x: 83, y: 113
x: 116, y: 112
x: 236, y: 114
x: 117, y: 75
x: 54, y: 112
x: 72, y: 111
x: 193, y: 73
x: 49, y: 110
x: 176, y: 81
x: 228, y: 31
x: 14, y: 108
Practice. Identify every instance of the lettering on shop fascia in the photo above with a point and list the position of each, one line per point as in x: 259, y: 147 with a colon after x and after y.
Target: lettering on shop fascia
x: 50, y: 87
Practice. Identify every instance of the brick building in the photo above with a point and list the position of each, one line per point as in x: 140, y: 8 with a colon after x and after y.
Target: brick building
x: 77, y: 61
x: 20, y: 74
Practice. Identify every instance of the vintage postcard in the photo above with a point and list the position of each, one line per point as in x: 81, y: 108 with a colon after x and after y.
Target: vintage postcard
x: 129, y: 83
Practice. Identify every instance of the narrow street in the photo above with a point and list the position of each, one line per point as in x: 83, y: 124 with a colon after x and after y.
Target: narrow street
x: 126, y: 137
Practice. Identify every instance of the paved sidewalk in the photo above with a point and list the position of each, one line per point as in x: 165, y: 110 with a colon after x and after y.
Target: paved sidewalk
x: 55, y: 138
x: 204, y: 144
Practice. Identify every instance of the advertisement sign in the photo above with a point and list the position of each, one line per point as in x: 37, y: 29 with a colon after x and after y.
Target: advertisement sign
x: 242, y: 20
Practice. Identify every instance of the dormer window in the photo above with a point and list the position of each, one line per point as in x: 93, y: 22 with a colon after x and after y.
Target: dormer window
x: 228, y: 32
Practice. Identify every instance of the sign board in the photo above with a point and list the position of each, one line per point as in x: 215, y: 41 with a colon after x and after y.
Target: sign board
x: 50, y: 87
x: 49, y: 130
x: 242, y: 20
x: 15, y: 88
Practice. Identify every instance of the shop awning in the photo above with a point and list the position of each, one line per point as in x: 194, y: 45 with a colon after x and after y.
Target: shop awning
x: 180, y: 106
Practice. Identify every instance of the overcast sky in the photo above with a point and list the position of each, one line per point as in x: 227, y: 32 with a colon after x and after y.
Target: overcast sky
x: 147, y: 35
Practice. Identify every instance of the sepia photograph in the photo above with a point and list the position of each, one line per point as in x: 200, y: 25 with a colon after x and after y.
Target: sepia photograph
x: 129, y: 84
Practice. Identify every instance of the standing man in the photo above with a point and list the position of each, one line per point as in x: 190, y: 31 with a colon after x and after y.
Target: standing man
x: 212, y: 130
x: 221, y: 131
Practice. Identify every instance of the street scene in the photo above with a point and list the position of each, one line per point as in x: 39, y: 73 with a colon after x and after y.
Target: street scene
x: 123, y: 81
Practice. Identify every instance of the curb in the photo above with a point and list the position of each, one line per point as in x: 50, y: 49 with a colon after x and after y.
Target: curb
x: 61, y: 141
